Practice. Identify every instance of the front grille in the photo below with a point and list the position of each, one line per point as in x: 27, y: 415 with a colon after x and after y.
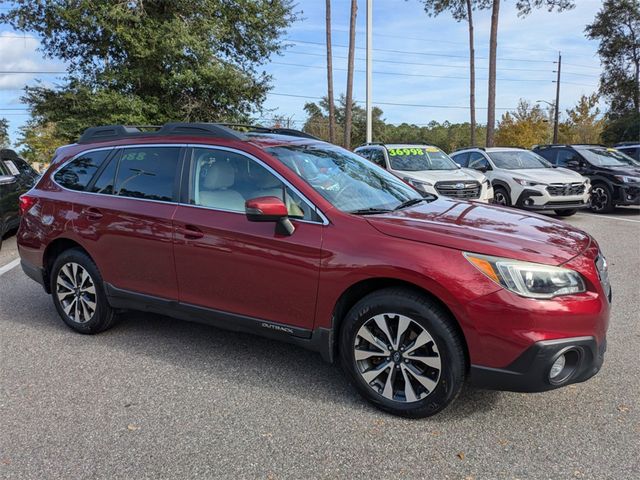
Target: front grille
x: 603, y: 274
x: 466, y: 190
x: 565, y: 189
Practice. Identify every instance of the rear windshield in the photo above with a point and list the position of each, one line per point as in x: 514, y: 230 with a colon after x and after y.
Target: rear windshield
x: 416, y: 158
x: 518, y: 160
x: 607, y: 157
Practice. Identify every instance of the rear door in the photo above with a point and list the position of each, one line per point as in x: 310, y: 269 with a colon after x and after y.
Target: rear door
x: 225, y: 262
x: 125, y: 219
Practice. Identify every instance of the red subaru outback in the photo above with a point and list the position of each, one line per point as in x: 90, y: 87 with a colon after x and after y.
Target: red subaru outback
x: 275, y: 233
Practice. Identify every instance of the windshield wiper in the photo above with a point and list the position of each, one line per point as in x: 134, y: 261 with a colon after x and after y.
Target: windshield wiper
x: 369, y: 211
x: 414, y: 201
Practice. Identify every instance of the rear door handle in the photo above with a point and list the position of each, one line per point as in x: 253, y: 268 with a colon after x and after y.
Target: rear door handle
x: 191, y: 232
x: 92, y: 213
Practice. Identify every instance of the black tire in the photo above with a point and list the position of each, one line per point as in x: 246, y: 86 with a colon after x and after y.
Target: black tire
x: 601, y: 198
x: 428, y: 315
x: 567, y: 212
x: 103, y: 316
x: 501, y: 196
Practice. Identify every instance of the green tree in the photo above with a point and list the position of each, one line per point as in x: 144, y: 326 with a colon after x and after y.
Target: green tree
x: 584, y: 122
x: 524, y: 8
x: 4, y: 133
x: 525, y: 127
x: 617, y: 28
x: 152, y: 61
x: 39, y: 141
x: 462, y: 10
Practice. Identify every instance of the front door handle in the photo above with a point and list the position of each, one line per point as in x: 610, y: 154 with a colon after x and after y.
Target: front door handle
x: 191, y: 232
x: 92, y: 213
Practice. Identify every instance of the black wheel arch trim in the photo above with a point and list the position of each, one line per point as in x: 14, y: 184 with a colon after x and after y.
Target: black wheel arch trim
x: 501, y: 183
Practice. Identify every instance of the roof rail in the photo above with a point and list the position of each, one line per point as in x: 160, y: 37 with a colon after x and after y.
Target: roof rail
x: 624, y: 144
x: 277, y: 130
x: 116, y: 132
x: 469, y: 148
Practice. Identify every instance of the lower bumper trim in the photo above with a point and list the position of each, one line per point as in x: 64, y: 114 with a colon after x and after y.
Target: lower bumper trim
x: 530, y: 371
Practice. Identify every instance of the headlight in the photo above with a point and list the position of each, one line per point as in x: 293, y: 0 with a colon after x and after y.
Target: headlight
x: 627, y: 179
x: 527, y: 183
x: 418, y: 184
x: 533, y: 280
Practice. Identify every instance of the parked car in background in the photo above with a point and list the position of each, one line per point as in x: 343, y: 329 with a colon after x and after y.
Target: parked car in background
x: 630, y: 148
x: 522, y: 179
x: 16, y: 177
x: 429, y: 170
x: 303, y: 241
x: 615, y: 177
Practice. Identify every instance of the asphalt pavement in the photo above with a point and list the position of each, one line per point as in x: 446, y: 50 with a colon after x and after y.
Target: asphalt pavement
x: 160, y: 398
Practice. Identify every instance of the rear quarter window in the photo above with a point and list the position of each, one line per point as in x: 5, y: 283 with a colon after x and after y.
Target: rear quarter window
x: 77, y: 174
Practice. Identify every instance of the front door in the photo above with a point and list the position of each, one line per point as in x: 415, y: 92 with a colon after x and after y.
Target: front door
x: 226, y: 263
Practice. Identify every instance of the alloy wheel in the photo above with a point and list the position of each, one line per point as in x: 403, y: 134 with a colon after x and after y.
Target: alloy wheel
x: 76, y: 292
x: 397, y: 358
x: 599, y: 199
x: 500, y: 199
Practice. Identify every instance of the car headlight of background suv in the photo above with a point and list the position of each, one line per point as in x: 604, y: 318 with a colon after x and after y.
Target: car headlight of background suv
x: 533, y: 280
x: 528, y: 183
x: 627, y: 179
x: 418, y: 184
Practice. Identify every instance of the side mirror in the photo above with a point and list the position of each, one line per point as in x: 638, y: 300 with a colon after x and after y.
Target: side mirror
x: 269, y: 209
x: 573, y: 163
x: 482, y: 168
x: 459, y: 166
x: 7, y: 179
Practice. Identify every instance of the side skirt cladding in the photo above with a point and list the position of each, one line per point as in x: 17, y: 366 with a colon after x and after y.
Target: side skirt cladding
x: 318, y: 340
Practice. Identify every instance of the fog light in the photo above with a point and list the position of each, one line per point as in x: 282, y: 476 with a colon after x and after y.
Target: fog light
x: 557, y: 367
x: 528, y: 202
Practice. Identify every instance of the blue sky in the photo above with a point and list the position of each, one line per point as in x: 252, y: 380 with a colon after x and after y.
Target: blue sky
x: 434, y: 52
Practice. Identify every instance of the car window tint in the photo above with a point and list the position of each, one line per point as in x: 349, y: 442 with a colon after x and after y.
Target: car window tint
x: 147, y: 172
x: 461, y: 159
x: 564, y: 156
x: 77, y: 174
x: 548, y: 153
x: 104, y: 183
x: 226, y: 180
x: 377, y: 157
x: 364, y: 153
x: 3, y: 169
x: 477, y: 160
x: 23, y: 166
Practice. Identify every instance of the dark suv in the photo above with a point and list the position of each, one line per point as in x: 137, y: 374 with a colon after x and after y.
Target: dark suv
x: 296, y: 239
x: 615, y: 177
x: 16, y: 177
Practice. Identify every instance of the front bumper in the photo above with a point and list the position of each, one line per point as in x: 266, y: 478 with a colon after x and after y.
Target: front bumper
x: 531, y: 199
x: 530, y: 371
x: 628, y: 195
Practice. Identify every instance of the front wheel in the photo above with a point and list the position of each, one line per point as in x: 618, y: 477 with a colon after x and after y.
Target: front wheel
x: 601, y: 199
x: 501, y: 197
x: 566, y: 212
x: 78, y: 293
x: 402, y: 353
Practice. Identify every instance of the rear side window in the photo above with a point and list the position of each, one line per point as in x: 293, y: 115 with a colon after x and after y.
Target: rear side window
x: 77, y: 174
x: 548, y: 153
x: 147, y: 172
x: 106, y: 179
x: 377, y: 157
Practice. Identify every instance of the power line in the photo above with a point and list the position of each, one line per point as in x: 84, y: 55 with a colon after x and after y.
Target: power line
x: 30, y: 72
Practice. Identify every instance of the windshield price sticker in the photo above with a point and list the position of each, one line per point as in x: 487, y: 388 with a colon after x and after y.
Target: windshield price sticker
x: 12, y: 167
x: 398, y: 152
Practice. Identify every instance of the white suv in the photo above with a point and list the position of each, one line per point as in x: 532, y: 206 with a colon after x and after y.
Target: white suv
x: 524, y: 179
x: 429, y: 170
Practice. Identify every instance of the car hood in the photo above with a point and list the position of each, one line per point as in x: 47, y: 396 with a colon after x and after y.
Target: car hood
x: 433, y: 176
x: 487, y: 229
x: 548, y: 175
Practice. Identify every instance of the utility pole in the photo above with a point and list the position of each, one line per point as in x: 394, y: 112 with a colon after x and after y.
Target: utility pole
x: 557, y: 105
x: 369, y: 71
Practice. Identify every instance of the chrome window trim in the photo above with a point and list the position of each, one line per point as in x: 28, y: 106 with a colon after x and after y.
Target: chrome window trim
x: 325, y: 220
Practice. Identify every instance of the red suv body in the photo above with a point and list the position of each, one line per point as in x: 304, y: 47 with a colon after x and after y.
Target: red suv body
x: 261, y: 232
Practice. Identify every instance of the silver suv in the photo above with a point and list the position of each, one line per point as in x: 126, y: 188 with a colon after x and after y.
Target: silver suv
x: 524, y: 179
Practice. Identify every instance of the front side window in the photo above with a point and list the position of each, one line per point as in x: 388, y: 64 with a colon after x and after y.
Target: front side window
x: 518, y: 160
x: 226, y: 180
x: 608, y: 157
x: 461, y: 159
x: 417, y: 158
x: 477, y: 161
x: 377, y: 157
x: 565, y: 156
x: 344, y: 179
x: 147, y: 172
x: 77, y: 174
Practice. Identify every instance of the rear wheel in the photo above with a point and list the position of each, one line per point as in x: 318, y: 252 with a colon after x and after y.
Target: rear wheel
x: 78, y: 293
x: 501, y: 196
x: 566, y: 212
x: 402, y: 353
x: 601, y: 198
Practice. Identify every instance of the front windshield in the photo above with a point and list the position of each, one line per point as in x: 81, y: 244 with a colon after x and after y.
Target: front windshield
x: 346, y: 180
x: 608, y: 157
x: 412, y: 158
x: 518, y: 160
